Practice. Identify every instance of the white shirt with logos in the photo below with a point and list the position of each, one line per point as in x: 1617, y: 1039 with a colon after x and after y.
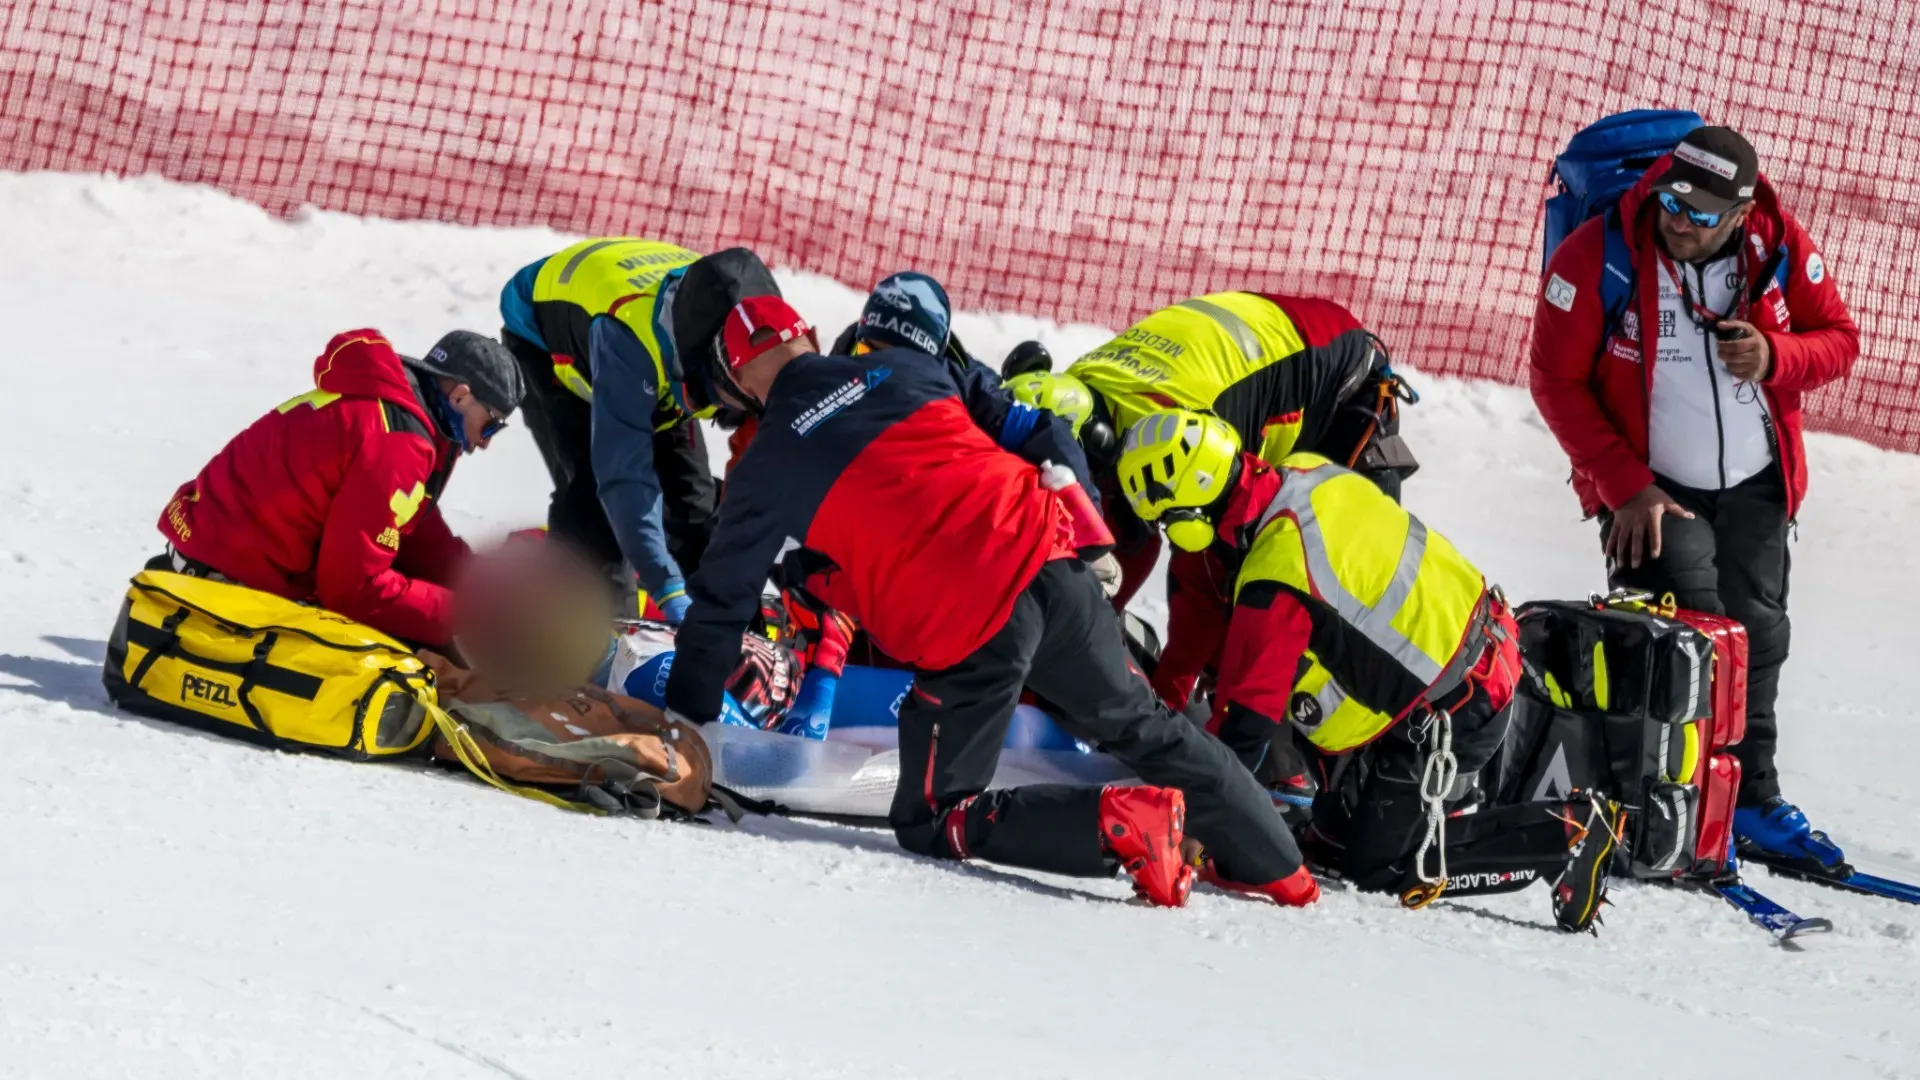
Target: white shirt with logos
x: 1707, y: 430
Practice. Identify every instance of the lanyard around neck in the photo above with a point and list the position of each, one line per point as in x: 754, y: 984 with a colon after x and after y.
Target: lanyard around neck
x: 1697, y: 311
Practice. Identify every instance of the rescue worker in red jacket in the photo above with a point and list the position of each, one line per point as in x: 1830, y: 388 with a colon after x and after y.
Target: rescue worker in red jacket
x: 1682, y: 414
x: 881, y: 481
x: 1380, y: 643
x: 333, y: 497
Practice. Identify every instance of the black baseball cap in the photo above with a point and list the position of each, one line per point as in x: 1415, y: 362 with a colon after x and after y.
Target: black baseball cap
x: 1714, y: 170
x: 483, y: 364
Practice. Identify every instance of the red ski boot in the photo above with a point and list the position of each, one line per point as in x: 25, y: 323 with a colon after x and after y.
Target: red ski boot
x: 1142, y: 827
x: 1297, y: 889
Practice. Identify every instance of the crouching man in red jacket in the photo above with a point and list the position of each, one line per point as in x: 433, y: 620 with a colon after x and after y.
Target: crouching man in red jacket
x: 332, y: 498
x: 871, y: 476
x: 1682, y: 411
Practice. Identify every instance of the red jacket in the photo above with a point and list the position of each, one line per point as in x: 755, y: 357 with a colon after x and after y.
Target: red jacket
x: 870, y: 478
x: 1595, y: 395
x: 1199, y: 603
x: 330, y: 498
x: 1200, y: 588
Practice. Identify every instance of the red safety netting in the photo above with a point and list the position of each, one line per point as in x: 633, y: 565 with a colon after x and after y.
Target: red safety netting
x: 1079, y: 160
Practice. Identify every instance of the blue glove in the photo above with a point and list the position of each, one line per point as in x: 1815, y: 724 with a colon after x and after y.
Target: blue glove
x: 673, y: 601
x: 812, y: 710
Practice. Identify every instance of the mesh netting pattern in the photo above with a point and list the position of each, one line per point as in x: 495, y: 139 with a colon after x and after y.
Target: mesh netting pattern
x: 1083, y: 161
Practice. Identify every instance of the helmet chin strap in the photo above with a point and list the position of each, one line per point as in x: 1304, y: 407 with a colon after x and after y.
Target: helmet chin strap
x: 1190, y: 533
x: 721, y: 373
x: 1195, y: 529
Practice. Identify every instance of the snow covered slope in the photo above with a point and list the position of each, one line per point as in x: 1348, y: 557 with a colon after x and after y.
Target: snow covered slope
x: 175, y: 906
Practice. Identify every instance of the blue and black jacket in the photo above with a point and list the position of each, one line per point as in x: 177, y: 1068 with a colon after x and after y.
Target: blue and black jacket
x: 888, y: 481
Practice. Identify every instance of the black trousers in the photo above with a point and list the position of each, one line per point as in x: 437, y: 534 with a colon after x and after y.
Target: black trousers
x: 1064, y: 642
x: 562, y: 427
x: 1369, y: 819
x: 1731, y: 559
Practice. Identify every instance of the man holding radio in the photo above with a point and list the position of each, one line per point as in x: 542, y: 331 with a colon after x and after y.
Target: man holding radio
x: 1682, y: 413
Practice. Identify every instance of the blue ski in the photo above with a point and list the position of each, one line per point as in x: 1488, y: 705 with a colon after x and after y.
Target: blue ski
x: 1784, y: 925
x: 1853, y: 881
x: 1879, y: 886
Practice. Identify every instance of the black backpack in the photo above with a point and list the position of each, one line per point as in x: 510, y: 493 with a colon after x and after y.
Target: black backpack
x: 1608, y: 702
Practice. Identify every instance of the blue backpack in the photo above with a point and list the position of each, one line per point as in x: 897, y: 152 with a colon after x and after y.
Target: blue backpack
x: 1597, y: 167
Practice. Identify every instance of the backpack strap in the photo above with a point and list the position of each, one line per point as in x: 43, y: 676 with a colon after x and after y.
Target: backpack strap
x: 1616, y: 275
x: 1778, y: 268
x: 403, y: 420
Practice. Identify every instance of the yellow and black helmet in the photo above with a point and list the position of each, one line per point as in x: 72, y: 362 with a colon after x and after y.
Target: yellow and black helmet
x: 1062, y: 395
x: 1174, y: 465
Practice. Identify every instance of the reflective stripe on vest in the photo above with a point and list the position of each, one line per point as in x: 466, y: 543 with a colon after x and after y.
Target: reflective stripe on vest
x: 1375, y: 621
x: 1235, y: 326
x: 570, y: 377
x: 1428, y: 581
x: 572, y: 265
x: 617, y: 277
x: 1188, y: 354
x: 1329, y: 698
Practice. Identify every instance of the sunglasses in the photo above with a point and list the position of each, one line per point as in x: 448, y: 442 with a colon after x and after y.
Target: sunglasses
x: 1699, y: 217
x: 498, y: 425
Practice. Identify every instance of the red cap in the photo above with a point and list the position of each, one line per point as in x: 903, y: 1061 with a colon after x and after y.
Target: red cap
x: 757, y: 324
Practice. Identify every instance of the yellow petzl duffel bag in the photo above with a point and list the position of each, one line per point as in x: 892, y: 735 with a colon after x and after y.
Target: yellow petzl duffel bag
x: 241, y: 662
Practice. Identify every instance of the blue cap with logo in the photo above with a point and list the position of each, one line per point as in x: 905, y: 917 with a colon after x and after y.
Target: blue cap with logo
x: 907, y: 310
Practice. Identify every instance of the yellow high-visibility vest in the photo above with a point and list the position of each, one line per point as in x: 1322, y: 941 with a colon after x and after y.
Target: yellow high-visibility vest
x: 1399, y: 612
x: 1205, y: 354
x: 615, y: 276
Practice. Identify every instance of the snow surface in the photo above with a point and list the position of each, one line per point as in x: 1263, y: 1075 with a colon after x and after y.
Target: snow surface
x: 175, y: 905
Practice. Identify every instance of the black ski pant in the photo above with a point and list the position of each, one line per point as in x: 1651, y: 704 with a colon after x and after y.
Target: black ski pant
x: 1731, y: 559
x: 1369, y: 814
x: 1369, y: 820
x: 562, y: 427
x: 1063, y: 641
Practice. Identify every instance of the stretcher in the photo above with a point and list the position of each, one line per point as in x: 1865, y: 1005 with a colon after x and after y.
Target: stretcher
x: 844, y: 758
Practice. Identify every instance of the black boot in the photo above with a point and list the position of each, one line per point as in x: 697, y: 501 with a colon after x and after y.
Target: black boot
x: 1594, y: 826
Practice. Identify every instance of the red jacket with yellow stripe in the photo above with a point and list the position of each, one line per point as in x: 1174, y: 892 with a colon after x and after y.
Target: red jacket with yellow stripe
x: 330, y: 498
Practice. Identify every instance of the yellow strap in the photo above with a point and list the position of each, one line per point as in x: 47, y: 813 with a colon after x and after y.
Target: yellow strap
x: 470, y: 755
x: 1689, y: 754
x: 1558, y: 696
x: 1600, y: 676
x: 570, y: 377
